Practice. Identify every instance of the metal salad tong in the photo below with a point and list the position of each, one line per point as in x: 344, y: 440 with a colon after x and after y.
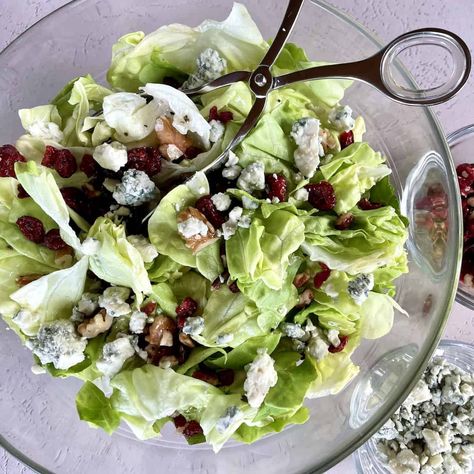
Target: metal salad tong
x: 375, y: 70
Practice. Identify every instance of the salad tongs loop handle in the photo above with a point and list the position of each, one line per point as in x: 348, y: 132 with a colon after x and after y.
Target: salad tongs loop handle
x: 378, y: 69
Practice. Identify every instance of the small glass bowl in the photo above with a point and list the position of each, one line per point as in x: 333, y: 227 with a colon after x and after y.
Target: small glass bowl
x: 367, y: 458
x: 461, y: 143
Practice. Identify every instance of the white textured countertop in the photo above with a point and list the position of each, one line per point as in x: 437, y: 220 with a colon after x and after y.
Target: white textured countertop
x: 386, y: 19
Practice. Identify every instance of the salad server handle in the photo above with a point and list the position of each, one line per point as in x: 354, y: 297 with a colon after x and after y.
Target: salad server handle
x: 379, y: 70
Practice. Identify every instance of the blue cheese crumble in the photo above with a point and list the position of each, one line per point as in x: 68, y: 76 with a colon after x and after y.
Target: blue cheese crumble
x: 193, y: 326
x: 305, y: 133
x: 114, y: 301
x: 232, y: 415
x: 359, y: 287
x: 45, y: 131
x: 341, y: 118
x: 145, y: 248
x: 135, y: 189
x: 292, y: 330
x: 192, y: 227
x: 138, y: 321
x: 85, y: 307
x: 217, y: 130
x: 210, y: 66
x: 111, y: 156
x: 232, y: 169
x: 261, y: 377
x: 59, y: 344
x: 433, y: 431
x: 252, y: 178
x: 221, y: 201
x: 114, y: 355
x: 236, y: 219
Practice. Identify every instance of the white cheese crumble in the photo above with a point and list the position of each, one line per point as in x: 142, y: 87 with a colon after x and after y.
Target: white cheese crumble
x: 192, y: 227
x: 145, y: 248
x: 111, y: 156
x: 210, y: 65
x: 113, y: 300
x: 221, y: 201
x: 249, y: 204
x: 90, y: 246
x: 116, y: 213
x: 135, y: 189
x: 305, y: 132
x: 341, y: 118
x: 252, y: 178
x: 359, y: 287
x: 217, y: 130
x: 293, y: 330
x: 194, y: 325
x: 45, y: 131
x: 173, y: 152
x: 86, y: 306
x: 236, y: 219
x: 59, y: 344
x: 333, y: 337
x: 301, y: 194
x: 114, y: 355
x: 317, y: 347
x: 261, y: 377
x: 138, y: 321
x: 225, y: 338
x: 232, y: 415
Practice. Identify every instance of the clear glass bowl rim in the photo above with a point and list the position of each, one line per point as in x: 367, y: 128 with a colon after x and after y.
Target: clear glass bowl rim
x: 430, y: 348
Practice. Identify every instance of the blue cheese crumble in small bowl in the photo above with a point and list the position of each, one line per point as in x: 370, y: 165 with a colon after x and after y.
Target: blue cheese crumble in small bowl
x: 433, y: 431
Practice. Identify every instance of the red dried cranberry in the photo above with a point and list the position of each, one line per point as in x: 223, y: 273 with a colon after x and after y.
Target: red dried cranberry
x: 367, y: 205
x: 226, y: 116
x: 346, y: 139
x: 207, y: 376
x: 276, y: 186
x: 344, y: 221
x: 187, y: 308
x: 32, y: 228
x: 341, y: 345
x: 74, y: 198
x: 322, y: 275
x: 53, y: 240
x: 233, y: 287
x: 466, y: 170
x: 146, y: 159
x: 191, y: 429
x: 149, y: 308
x: 9, y: 155
x: 205, y: 205
x: 22, y: 194
x: 465, y: 186
x: 179, y: 422
x: 321, y: 195
x: 226, y: 377
x: 213, y: 113
x: 62, y: 161
x: 88, y: 165
x: 191, y: 152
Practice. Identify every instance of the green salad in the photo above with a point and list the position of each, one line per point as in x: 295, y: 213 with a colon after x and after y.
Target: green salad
x: 219, y: 305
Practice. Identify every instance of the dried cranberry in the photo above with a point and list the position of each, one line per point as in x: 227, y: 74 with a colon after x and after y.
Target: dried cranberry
x: 276, y: 186
x: 149, y: 308
x: 32, y: 228
x: 205, y: 205
x: 53, y: 240
x: 344, y: 221
x: 321, y: 195
x: 213, y: 113
x: 192, y: 151
x: 341, y: 345
x: 367, y: 205
x: 301, y: 279
x: 187, y: 308
x: 74, y: 198
x: 191, y: 429
x: 346, y: 139
x: 322, y: 275
x: 226, y: 377
x: 156, y: 353
x: 146, y: 159
x: 233, y: 287
x: 9, y: 155
x: 466, y: 170
x: 22, y: 194
x: 207, y: 376
x: 226, y: 116
x: 465, y: 186
x: 179, y: 422
x: 62, y: 161
x: 88, y: 165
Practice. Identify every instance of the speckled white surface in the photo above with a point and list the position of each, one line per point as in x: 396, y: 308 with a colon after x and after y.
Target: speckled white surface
x: 386, y: 19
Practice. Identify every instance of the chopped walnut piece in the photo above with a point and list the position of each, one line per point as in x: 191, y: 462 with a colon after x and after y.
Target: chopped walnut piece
x: 305, y: 298
x: 96, y: 325
x: 301, y: 279
x: 25, y: 279
x: 197, y: 241
x: 161, y: 331
x: 168, y: 135
x: 186, y: 340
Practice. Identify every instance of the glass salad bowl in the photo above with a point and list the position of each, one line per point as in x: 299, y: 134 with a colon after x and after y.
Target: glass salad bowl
x: 39, y: 421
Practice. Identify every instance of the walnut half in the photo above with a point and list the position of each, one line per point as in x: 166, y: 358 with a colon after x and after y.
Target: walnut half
x: 167, y: 135
x: 96, y: 325
x: 198, y: 241
x: 161, y: 331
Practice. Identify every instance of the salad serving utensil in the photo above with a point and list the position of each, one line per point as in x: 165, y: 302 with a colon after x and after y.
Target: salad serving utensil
x: 376, y: 71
